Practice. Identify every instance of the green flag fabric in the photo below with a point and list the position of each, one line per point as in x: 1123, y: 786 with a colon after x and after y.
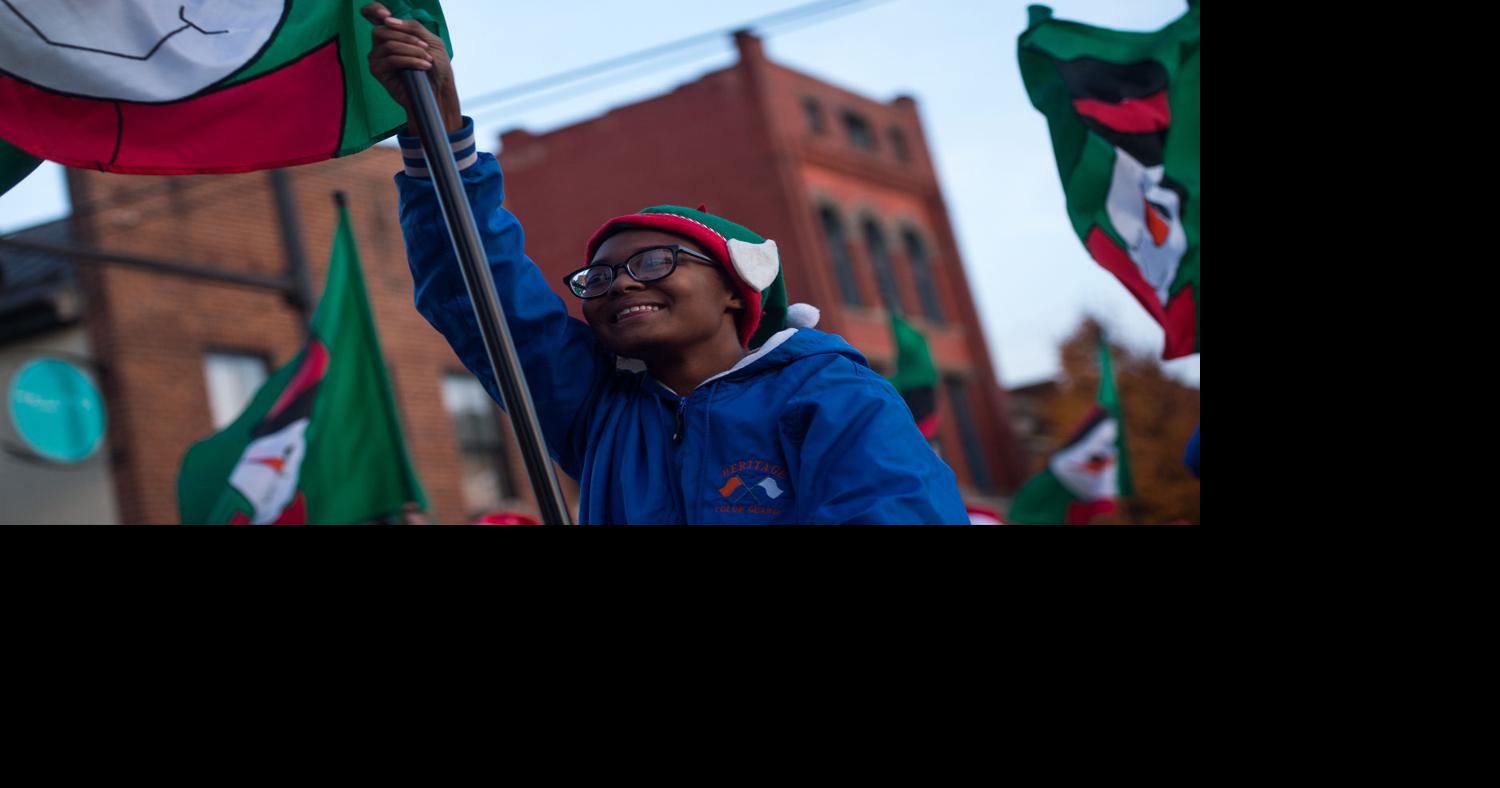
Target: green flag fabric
x: 15, y: 165
x: 916, y: 376
x: 1123, y: 110
x: 1087, y: 476
x: 321, y: 442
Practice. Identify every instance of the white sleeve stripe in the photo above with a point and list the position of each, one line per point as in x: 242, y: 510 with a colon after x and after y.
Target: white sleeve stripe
x: 465, y: 152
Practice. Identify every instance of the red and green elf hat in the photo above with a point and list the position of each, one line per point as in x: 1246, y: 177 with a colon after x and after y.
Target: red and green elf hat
x: 752, y: 262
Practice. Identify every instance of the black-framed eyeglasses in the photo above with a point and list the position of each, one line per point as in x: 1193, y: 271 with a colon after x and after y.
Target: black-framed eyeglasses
x: 647, y: 265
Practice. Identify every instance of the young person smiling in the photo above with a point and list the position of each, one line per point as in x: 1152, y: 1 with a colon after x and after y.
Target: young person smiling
x: 745, y: 413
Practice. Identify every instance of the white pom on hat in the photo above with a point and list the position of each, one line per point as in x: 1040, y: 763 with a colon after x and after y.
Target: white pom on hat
x: 803, y: 316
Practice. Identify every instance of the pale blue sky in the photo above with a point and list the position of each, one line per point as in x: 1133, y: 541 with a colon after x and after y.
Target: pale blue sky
x: 1033, y: 280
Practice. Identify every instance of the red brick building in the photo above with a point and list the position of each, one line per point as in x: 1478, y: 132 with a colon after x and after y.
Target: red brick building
x: 843, y: 183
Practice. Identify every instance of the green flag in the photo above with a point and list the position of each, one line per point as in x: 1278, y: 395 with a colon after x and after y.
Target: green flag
x: 321, y: 443
x: 1123, y: 109
x: 201, y: 86
x: 1089, y: 473
x: 15, y: 165
x: 916, y: 375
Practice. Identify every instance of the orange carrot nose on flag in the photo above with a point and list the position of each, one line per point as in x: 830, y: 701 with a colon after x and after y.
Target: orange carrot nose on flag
x: 276, y: 464
x: 728, y: 489
x: 1160, y: 228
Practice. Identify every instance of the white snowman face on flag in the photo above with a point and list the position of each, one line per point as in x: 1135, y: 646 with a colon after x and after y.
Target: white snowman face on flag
x: 1148, y: 217
x: 133, y: 50
x: 269, y: 470
x: 1089, y: 467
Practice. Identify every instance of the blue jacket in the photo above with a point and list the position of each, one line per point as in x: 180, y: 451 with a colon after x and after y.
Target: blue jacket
x: 802, y: 432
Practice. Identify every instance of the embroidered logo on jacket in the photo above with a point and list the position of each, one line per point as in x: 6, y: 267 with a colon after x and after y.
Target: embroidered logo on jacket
x: 753, y: 487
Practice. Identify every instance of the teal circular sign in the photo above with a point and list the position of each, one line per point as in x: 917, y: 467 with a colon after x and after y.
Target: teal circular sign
x: 57, y: 410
